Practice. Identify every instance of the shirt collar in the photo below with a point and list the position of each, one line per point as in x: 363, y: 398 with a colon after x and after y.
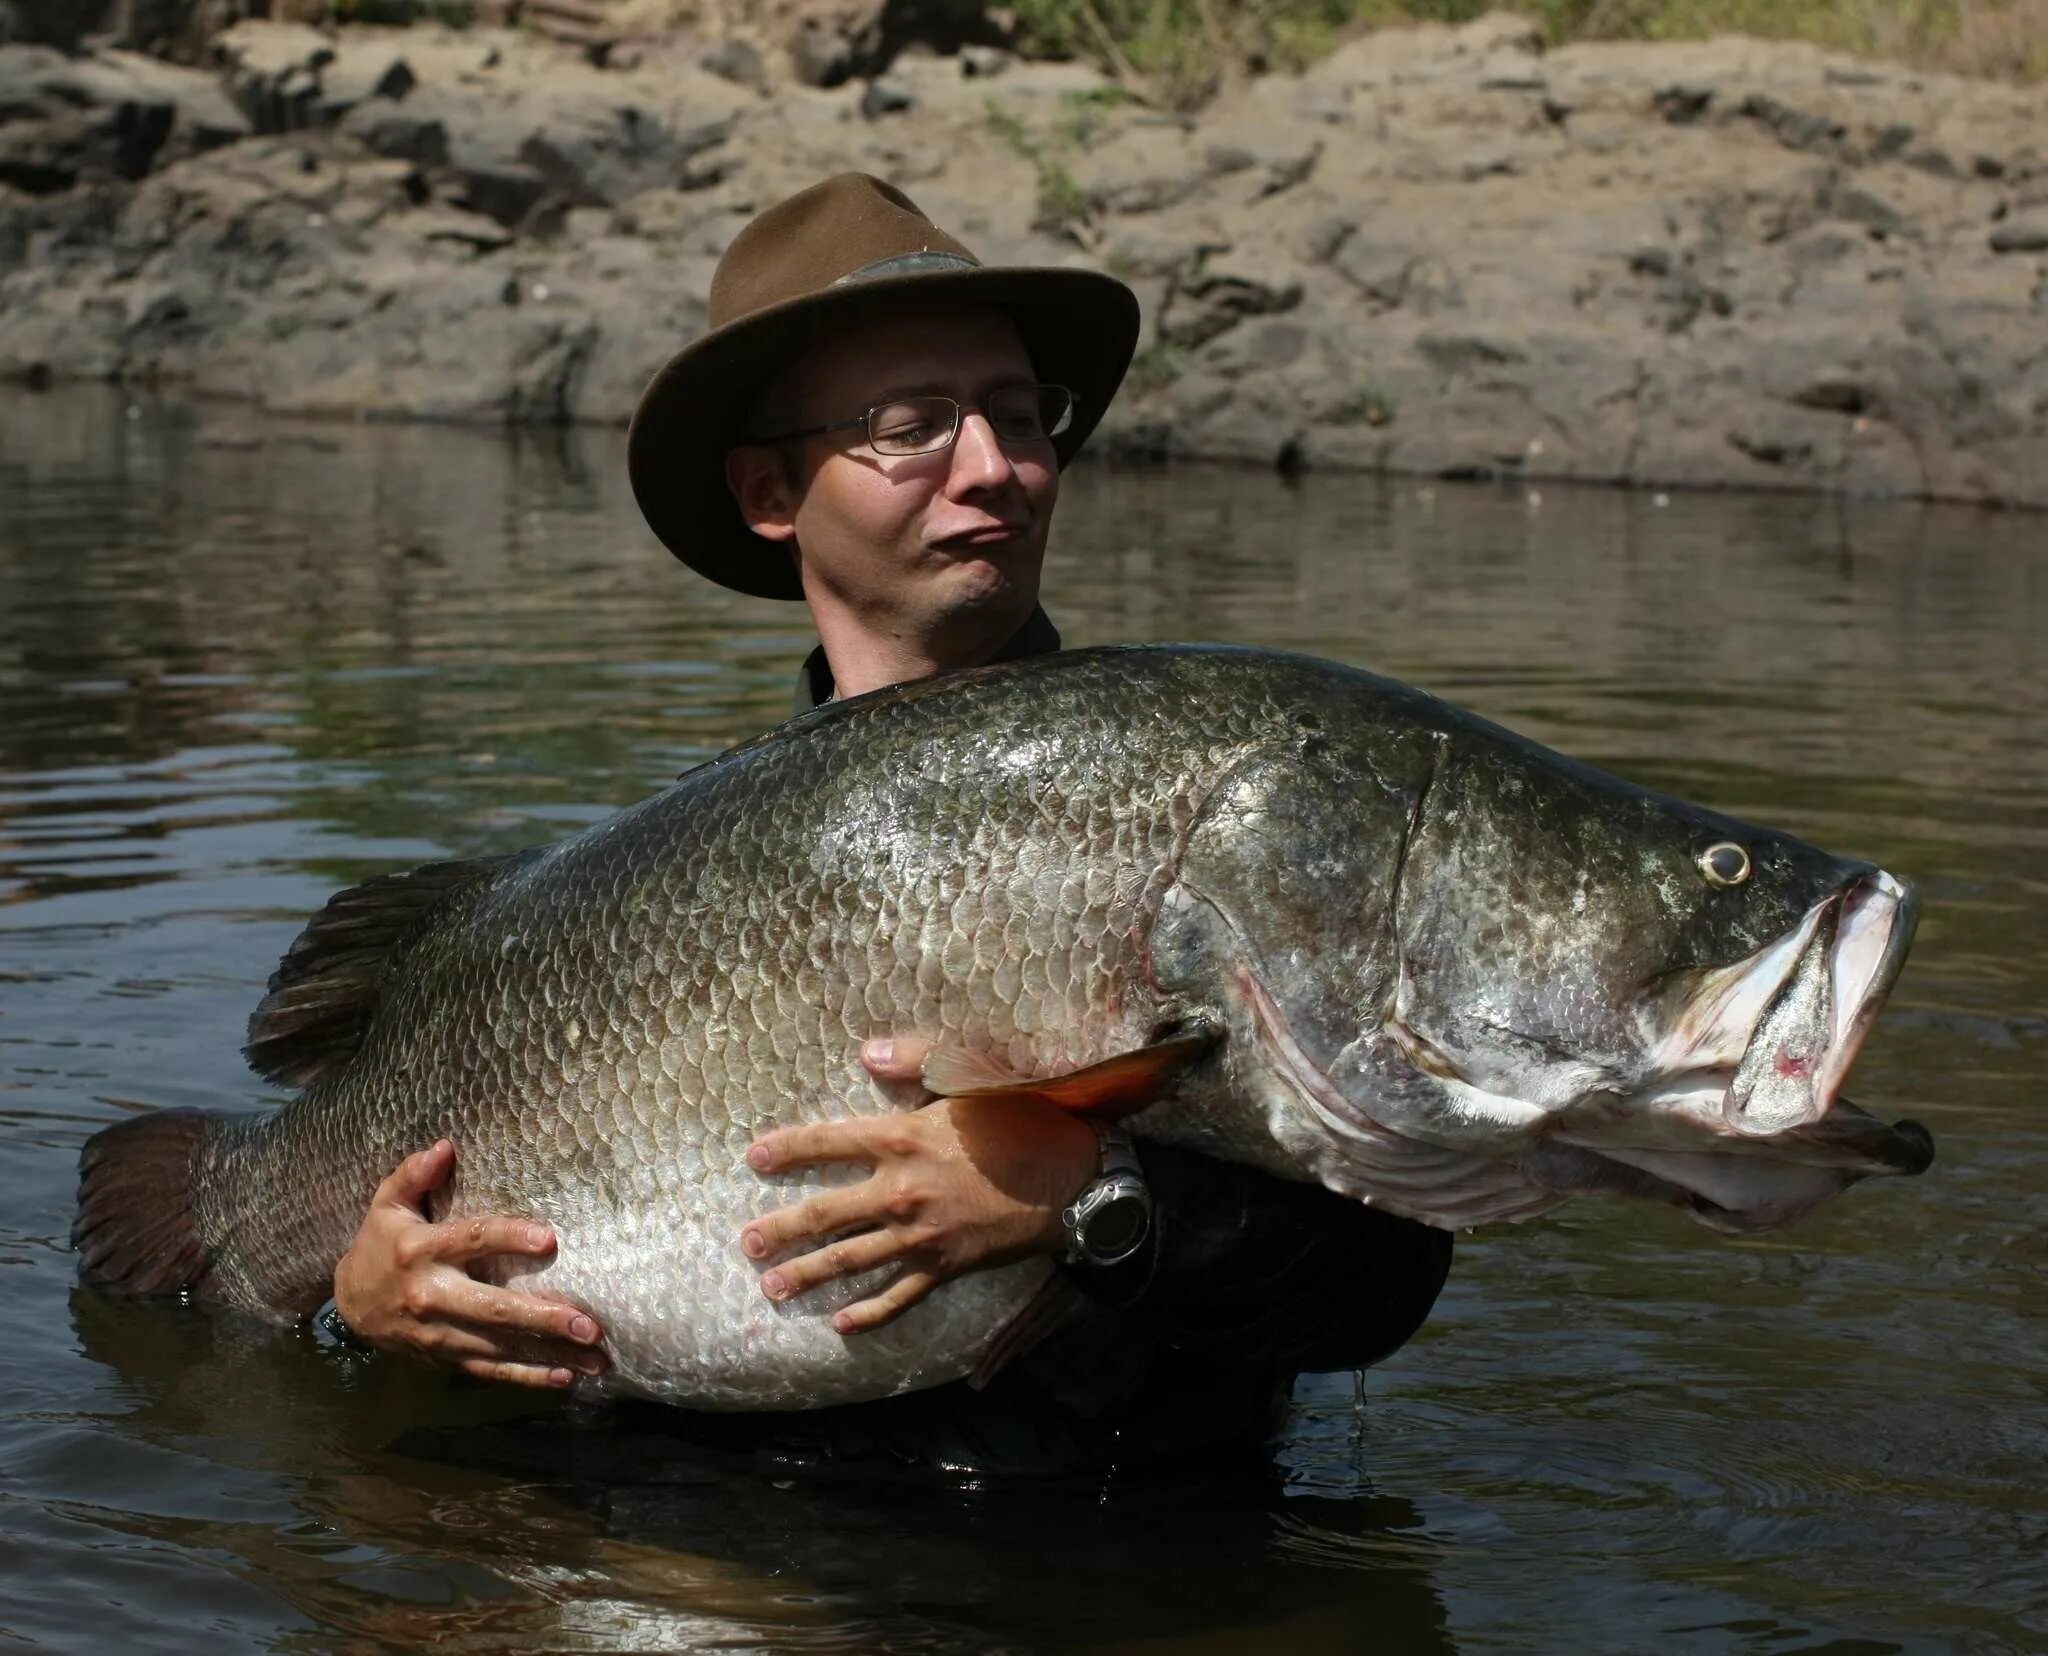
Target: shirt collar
x: 1036, y: 637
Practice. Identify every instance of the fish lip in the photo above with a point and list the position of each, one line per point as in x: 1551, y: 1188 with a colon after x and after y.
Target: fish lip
x: 1853, y: 1026
x: 1853, y: 1138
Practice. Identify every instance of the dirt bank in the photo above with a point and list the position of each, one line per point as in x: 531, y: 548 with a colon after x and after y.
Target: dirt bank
x: 1439, y: 251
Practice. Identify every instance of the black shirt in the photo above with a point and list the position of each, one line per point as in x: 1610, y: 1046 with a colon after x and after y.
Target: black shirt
x: 1184, y: 1355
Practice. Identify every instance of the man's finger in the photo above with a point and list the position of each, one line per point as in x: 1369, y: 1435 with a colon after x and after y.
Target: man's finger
x: 519, y: 1374
x: 410, y: 1183
x: 896, y: 1057
x: 848, y: 1207
x: 460, y: 1241
x: 857, y: 1139
x: 886, y: 1306
x: 517, y: 1313
x: 848, y: 1257
x: 456, y: 1341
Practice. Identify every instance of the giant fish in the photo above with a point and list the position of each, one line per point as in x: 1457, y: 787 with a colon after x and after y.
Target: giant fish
x: 1282, y: 911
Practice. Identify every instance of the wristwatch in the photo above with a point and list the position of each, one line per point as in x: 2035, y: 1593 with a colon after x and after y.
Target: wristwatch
x: 332, y: 1333
x: 1109, y: 1221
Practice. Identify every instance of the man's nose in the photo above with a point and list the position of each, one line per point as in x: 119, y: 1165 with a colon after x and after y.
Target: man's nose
x: 979, y: 459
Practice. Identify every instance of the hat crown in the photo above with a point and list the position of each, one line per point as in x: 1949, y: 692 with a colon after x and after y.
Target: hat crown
x: 826, y: 236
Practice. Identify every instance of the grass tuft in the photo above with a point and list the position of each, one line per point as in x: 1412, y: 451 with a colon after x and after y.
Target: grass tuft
x: 1178, y: 53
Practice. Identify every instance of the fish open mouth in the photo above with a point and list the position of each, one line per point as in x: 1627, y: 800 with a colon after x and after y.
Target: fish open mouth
x: 1748, y: 1128
x: 1764, y: 1045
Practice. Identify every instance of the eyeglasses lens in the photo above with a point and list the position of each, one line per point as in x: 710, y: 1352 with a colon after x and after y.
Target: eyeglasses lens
x: 1018, y: 413
x: 1030, y: 413
x: 913, y: 425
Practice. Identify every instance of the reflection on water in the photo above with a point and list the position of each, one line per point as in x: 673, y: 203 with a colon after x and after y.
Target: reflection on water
x: 240, y: 665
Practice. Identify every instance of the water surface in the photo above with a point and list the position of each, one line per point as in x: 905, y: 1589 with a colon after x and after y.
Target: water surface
x: 241, y: 664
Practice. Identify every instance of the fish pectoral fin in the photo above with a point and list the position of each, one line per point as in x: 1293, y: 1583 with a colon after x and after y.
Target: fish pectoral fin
x: 1044, y: 1314
x: 324, y: 990
x: 1117, y: 1086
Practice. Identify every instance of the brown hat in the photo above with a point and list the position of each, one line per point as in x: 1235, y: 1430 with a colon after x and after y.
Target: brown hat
x: 841, y: 251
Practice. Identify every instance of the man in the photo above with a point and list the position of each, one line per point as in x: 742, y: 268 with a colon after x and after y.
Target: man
x: 875, y: 423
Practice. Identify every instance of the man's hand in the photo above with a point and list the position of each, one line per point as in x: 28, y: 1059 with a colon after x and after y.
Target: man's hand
x: 960, y: 1185
x: 404, y: 1285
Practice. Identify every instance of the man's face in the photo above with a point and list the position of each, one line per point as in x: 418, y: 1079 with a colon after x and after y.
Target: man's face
x: 916, y: 542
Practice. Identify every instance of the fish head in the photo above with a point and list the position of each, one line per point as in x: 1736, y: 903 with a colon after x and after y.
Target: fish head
x: 1490, y: 978
x: 1626, y: 991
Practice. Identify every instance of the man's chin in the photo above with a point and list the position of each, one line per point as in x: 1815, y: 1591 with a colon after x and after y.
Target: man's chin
x: 999, y: 577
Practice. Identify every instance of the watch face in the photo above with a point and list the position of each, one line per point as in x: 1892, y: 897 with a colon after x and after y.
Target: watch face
x: 1116, y: 1227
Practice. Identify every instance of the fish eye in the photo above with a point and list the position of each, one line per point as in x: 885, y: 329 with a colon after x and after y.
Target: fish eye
x: 1726, y: 864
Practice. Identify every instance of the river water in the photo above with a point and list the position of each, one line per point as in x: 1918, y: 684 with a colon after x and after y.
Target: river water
x: 241, y: 665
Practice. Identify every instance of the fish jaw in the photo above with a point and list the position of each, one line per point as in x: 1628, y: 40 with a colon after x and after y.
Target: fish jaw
x: 1763, y: 1046
x: 1753, y: 1143
x: 1742, y: 1186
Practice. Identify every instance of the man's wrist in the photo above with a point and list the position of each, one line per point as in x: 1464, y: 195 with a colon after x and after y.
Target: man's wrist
x: 332, y: 1333
x: 1110, y: 1221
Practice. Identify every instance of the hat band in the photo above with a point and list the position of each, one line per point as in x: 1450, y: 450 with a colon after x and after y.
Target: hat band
x: 906, y: 264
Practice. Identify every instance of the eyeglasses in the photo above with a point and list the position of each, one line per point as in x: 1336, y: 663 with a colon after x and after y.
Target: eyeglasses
x: 924, y: 425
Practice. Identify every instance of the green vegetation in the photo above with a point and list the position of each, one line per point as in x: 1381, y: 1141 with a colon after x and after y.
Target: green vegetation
x: 1368, y: 404
x: 456, y: 13
x: 1081, y: 113
x: 1157, y: 366
x: 1062, y: 207
x: 1178, y: 52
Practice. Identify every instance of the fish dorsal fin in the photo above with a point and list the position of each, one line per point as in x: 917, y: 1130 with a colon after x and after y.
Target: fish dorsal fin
x: 326, y: 987
x: 1117, y: 1086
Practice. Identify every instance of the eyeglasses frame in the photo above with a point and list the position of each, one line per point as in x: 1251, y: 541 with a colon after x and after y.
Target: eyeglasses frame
x: 960, y: 412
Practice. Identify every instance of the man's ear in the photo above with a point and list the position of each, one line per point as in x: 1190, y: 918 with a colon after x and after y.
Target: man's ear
x: 759, y: 480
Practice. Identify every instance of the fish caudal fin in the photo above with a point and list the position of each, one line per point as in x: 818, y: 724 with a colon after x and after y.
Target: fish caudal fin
x: 137, y: 1228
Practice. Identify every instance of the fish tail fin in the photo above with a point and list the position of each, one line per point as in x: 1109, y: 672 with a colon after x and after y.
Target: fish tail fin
x: 137, y: 1227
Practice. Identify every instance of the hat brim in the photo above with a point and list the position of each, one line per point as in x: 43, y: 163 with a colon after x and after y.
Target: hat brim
x: 1079, y: 327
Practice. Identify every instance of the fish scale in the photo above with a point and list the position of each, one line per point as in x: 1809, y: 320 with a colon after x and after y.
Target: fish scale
x: 1043, y: 866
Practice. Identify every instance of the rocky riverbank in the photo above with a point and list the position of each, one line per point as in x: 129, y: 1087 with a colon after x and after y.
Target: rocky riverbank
x: 1438, y: 251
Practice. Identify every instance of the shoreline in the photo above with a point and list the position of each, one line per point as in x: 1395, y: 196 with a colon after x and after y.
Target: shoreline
x: 1441, y: 252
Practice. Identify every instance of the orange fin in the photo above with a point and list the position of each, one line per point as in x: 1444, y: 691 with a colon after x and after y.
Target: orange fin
x: 1117, y: 1086
x: 1044, y: 1314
